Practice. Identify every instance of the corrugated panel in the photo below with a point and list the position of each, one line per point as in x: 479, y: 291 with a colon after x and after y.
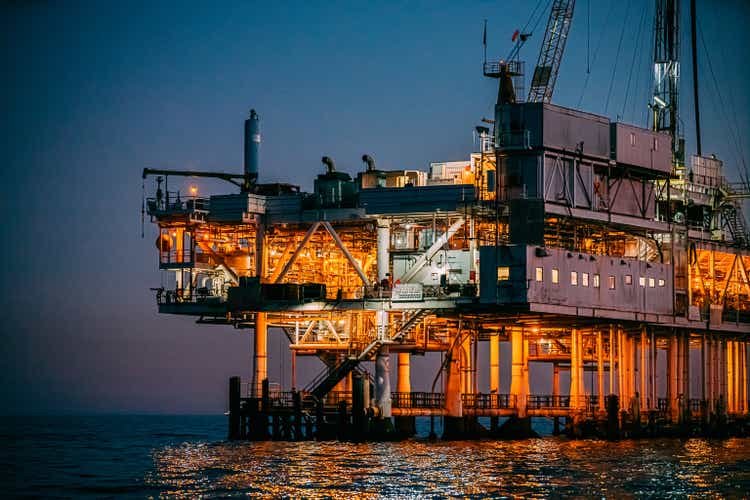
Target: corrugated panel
x: 416, y: 199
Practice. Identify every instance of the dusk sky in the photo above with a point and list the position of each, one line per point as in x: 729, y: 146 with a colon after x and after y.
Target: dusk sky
x: 94, y: 92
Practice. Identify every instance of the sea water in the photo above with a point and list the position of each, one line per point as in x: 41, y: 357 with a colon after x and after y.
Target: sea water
x: 188, y: 456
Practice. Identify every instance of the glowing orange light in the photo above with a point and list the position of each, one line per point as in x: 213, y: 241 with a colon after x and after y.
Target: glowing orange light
x: 193, y: 190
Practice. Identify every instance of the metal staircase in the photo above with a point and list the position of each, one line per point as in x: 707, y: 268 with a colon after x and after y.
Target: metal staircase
x: 734, y: 223
x: 331, y: 376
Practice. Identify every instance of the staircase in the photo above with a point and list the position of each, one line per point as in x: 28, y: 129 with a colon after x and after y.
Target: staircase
x: 328, y: 379
x: 734, y: 221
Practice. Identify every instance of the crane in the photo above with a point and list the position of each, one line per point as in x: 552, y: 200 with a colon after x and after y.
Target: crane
x: 551, y: 52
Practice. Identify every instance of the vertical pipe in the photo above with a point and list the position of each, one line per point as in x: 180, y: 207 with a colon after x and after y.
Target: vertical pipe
x: 383, y: 244
x: 260, y: 353
x: 495, y: 363
x: 600, y: 370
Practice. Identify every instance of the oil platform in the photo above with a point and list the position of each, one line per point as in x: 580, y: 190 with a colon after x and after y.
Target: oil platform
x: 590, y: 245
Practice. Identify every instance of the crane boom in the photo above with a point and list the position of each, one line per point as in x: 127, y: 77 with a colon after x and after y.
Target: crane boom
x: 550, y: 55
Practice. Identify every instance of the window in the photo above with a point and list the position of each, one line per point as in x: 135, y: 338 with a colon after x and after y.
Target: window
x: 612, y: 282
x: 555, y: 276
x: 661, y: 282
x: 503, y: 273
x: 585, y: 279
x: 540, y: 274
x: 656, y: 144
x: 596, y: 281
x: 574, y: 278
x: 651, y: 283
x: 642, y: 281
x: 632, y: 139
x: 628, y: 279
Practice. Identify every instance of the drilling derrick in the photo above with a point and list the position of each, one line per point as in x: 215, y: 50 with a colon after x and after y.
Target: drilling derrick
x: 665, y: 103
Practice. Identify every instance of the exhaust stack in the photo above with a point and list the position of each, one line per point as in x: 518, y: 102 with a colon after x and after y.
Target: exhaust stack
x: 252, y: 147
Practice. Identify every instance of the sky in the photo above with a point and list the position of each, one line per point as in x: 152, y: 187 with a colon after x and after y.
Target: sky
x: 94, y: 92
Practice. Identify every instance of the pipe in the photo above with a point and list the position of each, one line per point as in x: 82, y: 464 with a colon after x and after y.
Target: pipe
x: 328, y: 162
x: 370, y: 162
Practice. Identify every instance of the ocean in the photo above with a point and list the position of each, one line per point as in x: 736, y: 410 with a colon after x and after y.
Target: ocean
x: 188, y: 456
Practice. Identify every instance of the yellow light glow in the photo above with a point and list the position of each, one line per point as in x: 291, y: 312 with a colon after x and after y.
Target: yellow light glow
x: 193, y: 190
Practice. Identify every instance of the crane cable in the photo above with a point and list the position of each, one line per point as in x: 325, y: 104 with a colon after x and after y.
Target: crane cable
x: 632, y: 62
x: 734, y: 132
x: 596, y: 53
x: 531, y: 18
x: 617, y: 56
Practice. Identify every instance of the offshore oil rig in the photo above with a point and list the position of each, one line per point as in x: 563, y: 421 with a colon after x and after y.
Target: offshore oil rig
x: 590, y: 245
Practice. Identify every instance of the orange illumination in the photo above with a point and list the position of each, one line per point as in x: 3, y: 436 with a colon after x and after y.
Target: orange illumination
x: 193, y: 190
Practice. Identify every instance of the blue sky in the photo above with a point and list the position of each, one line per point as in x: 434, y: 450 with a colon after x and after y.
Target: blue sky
x: 94, y: 92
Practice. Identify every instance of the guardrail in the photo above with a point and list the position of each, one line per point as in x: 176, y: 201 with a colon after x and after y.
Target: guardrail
x: 417, y: 400
x: 491, y: 401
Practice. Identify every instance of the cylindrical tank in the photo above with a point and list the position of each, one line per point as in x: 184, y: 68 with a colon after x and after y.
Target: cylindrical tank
x: 252, y: 145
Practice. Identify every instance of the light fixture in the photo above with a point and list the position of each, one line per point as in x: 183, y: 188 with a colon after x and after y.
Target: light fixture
x: 658, y: 100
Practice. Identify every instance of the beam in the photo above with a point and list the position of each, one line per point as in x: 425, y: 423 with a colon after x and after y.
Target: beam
x: 296, y: 253
x: 345, y: 251
x: 430, y: 253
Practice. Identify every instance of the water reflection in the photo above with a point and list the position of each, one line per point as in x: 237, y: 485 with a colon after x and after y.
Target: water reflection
x: 536, y: 467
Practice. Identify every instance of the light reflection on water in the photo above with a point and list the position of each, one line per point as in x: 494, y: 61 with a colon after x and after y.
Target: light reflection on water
x: 536, y: 467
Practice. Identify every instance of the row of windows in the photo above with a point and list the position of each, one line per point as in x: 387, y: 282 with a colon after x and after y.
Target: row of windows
x: 503, y: 274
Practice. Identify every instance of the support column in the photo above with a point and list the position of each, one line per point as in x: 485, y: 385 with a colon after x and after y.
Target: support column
x: 406, y: 426
x: 723, y: 373
x: 495, y: 364
x: 466, y: 373
x: 611, y: 359
x: 494, y: 373
x: 453, y: 384
x: 260, y: 353
x: 383, y: 382
x: 576, y: 370
x: 743, y: 379
x: 555, y: 394
x: 517, y: 388
x: 600, y: 370
x: 672, y: 369
x: 730, y: 377
x: 652, y: 371
x: 384, y: 245
x: 643, y: 367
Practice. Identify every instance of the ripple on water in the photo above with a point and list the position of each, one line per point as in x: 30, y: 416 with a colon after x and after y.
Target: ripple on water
x: 538, y: 467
